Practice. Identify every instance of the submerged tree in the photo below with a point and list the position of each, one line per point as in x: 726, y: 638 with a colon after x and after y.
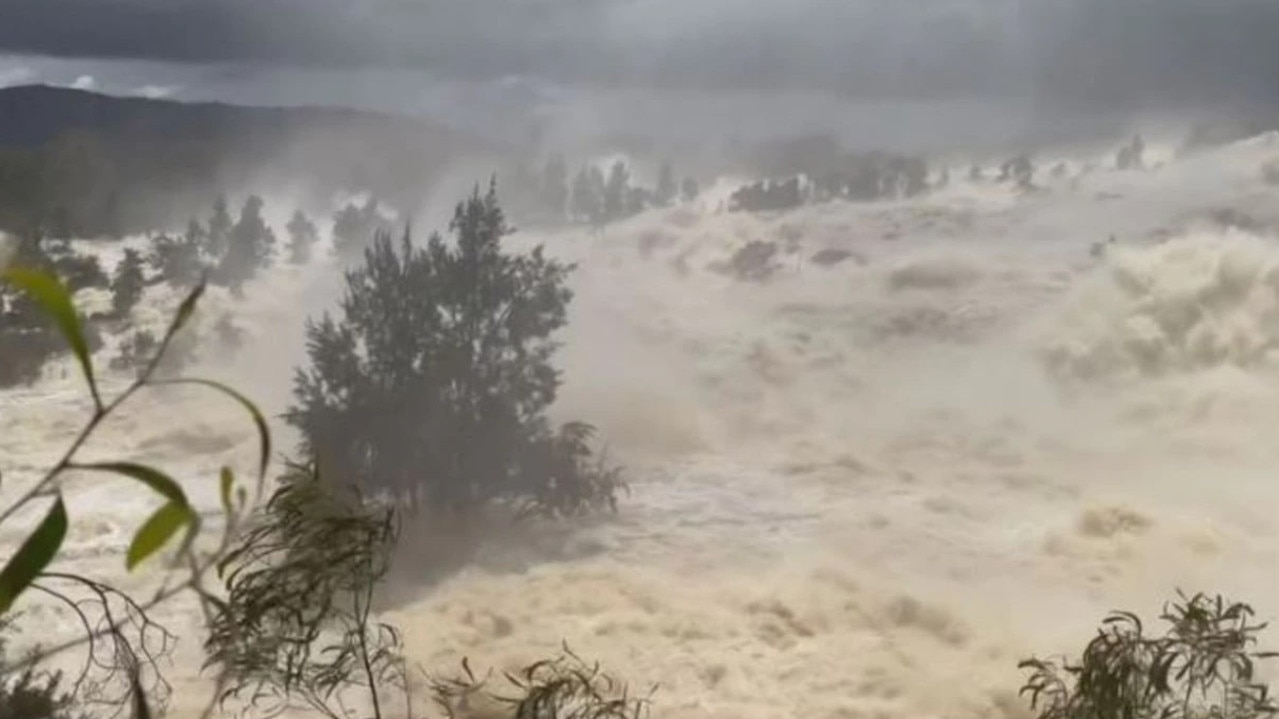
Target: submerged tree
x: 78, y: 271
x: 587, y: 199
x: 616, y: 190
x: 432, y: 383
x: 355, y: 226
x: 218, y: 238
x: 302, y: 237
x: 252, y: 244
x: 179, y: 260
x: 27, y: 337
x: 129, y: 282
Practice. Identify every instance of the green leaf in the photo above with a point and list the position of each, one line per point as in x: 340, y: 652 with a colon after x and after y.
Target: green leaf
x: 264, y: 434
x: 157, y: 530
x: 53, y: 297
x: 226, y: 481
x: 153, y: 478
x: 34, y: 555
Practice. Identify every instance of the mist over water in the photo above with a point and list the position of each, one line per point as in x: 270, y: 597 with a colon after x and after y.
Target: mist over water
x: 863, y: 489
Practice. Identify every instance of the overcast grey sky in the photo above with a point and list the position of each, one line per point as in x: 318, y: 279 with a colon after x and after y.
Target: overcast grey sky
x: 418, y: 55
x: 1090, y: 49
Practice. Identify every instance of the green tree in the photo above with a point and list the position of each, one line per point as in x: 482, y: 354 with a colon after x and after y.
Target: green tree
x: 251, y: 246
x: 27, y: 342
x: 177, y: 259
x: 129, y: 282
x: 78, y: 271
x: 27, y: 338
x: 218, y: 239
x: 135, y: 352
x: 355, y: 226
x: 587, y: 201
x: 198, y: 238
x: 302, y: 237
x: 432, y: 384
x: 616, y: 190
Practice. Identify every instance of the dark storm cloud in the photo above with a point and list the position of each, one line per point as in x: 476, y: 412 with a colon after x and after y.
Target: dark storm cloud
x: 468, y: 37
x: 1169, y: 51
x: 1101, y: 52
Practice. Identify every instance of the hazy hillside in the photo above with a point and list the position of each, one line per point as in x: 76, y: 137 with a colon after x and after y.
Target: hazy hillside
x: 76, y: 162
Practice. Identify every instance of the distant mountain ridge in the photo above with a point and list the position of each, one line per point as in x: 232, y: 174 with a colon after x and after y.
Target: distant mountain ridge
x: 82, y: 163
x: 32, y: 115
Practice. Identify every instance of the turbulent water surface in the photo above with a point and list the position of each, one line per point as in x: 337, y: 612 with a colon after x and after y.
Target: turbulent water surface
x: 861, y: 488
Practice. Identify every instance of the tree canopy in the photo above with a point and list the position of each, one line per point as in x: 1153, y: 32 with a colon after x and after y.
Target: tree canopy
x: 432, y: 381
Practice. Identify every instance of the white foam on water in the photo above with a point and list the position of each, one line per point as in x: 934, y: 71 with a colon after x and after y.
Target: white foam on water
x: 859, y: 490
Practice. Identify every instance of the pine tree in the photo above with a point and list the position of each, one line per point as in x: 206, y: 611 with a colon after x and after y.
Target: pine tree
x: 251, y: 246
x: 219, y: 235
x: 198, y: 238
x: 302, y: 237
x: 77, y: 271
x: 354, y: 228
x: 615, y: 192
x: 176, y: 260
x: 588, y: 196
x: 347, y: 231
x: 127, y: 287
x: 27, y: 338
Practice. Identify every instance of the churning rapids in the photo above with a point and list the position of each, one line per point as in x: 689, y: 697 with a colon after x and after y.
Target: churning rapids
x: 860, y: 489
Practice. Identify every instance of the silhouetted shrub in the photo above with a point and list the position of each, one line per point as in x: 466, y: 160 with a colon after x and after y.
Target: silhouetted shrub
x: 78, y: 272
x: 1202, y: 666
x: 1132, y: 155
x: 250, y: 247
x: 767, y: 195
x: 135, y: 352
x: 180, y: 261
x: 752, y: 262
x: 297, y: 622
x: 355, y: 227
x: 129, y: 283
x: 565, y: 687
x: 1019, y: 170
x: 302, y: 238
x: 27, y: 337
x: 30, y: 693
x: 586, y: 202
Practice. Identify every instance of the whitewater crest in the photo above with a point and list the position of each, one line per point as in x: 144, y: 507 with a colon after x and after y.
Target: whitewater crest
x: 1191, y: 303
